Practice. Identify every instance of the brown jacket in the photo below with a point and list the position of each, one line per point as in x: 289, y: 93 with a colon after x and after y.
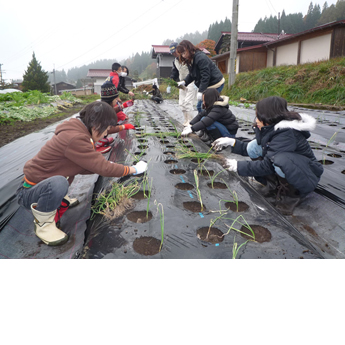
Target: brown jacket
x: 70, y: 152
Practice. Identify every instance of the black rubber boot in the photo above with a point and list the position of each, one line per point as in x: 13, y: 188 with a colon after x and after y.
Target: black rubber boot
x: 214, y: 134
x: 287, y: 197
x: 267, y: 185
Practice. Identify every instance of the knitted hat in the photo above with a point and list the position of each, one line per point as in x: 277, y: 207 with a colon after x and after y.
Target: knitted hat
x: 109, y: 91
x: 172, y: 47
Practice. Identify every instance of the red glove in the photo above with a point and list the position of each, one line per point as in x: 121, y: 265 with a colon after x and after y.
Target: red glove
x: 128, y: 126
x: 128, y: 104
x: 121, y: 116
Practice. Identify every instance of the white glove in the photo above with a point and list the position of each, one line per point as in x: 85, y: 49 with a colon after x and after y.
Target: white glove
x: 187, y: 130
x: 140, y: 167
x: 199, y: 96
x: 181, y: 83
x: 223, y: 142
x: 231, y: 164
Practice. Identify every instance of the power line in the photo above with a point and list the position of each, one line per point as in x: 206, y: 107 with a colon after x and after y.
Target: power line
x: 112, y: 35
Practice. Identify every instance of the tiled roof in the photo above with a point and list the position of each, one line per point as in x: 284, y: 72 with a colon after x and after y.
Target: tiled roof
x: 159, y: 49
x: 254, y: 36
x: 98, y: 73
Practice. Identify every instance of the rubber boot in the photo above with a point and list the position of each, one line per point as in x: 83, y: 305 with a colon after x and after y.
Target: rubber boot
x: 214, y: 134
x: 190, y: 116
x: 287, y: 197
x: 72, y: 201
x: 186, y: 119
x: 45, y: 228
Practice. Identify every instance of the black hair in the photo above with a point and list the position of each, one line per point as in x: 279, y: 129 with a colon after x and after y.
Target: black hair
x: 99, y: 116
x: 272, y: 110
x: 126, y: 69
x: 115, y: 66
x: 154, y: 86
x: 210, y: 97
x: 190, y: 48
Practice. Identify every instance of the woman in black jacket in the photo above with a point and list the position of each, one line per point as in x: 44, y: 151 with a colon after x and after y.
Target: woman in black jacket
x: 280, y: 149
x: 122, y: 83
x: 202, y: 70
x: 216, y: 119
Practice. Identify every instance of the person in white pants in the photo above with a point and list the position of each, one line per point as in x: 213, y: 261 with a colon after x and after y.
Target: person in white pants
x: 187, y: 95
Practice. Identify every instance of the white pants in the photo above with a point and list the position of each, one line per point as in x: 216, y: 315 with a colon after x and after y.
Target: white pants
x: 187, y: 98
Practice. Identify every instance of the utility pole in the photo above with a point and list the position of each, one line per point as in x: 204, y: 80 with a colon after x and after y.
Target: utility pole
x: 55, y: 90
x: 0, y: 74
x: 278, y: 24
x: 233, y: 43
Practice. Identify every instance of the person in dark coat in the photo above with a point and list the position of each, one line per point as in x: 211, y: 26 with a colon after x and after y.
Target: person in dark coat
x: 202, y: 70
x: 156, y: 94
x: 216, y: 119
x: 122, y: 83
x: 280, y: 150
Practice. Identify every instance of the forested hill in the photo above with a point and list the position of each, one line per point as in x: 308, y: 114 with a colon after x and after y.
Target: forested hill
x: 141, y: 65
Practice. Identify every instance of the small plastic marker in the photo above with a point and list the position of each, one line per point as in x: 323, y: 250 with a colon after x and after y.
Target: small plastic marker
x: 182, y: 179
x: 201, y: 215
x: 176, y: 167
x: 217, y: 244
x: 190, y: 194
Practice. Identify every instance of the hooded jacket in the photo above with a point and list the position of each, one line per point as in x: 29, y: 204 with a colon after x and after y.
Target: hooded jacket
x: 68, y: 153
x: 285, y: 145
x: 203, y: 71
x: 219, y: 112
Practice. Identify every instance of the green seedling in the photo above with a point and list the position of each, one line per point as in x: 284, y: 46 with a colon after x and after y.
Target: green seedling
x: 235, y: 250
x: 136, y: 157
x: 213, y: 177
x: 231, y: 227
x: 149, y: 189
x: 330, y: 141
x: 234, y: 196
x: 196, y: 177
x: 161, y: 221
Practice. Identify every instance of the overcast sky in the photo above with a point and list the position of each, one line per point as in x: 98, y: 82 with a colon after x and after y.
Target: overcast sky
x: 66, y: 34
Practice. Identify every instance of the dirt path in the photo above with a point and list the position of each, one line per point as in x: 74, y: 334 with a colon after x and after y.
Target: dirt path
x: 12, y: 132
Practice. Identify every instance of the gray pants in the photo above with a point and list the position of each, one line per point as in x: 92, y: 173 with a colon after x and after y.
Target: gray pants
x: 48, y: 194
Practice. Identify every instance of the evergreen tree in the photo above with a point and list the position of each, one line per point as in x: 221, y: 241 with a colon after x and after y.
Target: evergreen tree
x: 35, y: 78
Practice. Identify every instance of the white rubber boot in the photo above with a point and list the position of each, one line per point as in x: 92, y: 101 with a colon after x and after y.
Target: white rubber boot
x: 72, y: 201
x: 45, y: 228
x: 190, y: 116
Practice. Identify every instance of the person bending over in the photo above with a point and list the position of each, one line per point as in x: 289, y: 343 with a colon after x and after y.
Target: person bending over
x: 71, y: 151
x: 282, y: 158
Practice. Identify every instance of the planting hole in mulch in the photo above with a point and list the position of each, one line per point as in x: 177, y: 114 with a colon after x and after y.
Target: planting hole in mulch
x: 140, y: 153
x: 142, y: 147
x: 139, y: 129
x: 343, y: 172
x: 170, y: 146
x: 193, y: 206
x: 177, y: 171
x: 142, y: 140
x: 242, y: 206
x: 169, y: 152
x: 251, y: 132
x: 334, y: 155
x: 261, y: 234
x: 316, y: 148
x: 195, y: 160
x: 214, y: 236
x: 139, y: 196
x: 146, y: 245
x: 184, y: 186
x: 203, y: 172
x: 170, y: 161
x: 217, y: 185
x: 164, y: 141
x: 139, y: 216
x: 326, y: 162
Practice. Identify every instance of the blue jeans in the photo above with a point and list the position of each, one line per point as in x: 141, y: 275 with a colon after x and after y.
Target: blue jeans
x: 48, y: 194
x: 199, y: 104
x: 255, y: 151
x: 222, y: 129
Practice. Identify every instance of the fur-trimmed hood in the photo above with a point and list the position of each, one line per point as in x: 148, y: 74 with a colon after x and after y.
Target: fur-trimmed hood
x: 224, y: 102
x: 308, y: 123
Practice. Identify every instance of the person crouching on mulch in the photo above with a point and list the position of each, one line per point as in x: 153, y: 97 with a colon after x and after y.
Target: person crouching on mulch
x: 71, y: 151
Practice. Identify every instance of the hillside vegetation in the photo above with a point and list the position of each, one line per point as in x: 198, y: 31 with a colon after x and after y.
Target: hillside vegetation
x: 315, y: 83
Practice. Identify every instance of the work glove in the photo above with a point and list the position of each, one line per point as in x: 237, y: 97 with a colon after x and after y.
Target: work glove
x: 187, y: 130
x: 128, y: 104
x: 199, y: 96
x: 181, y: 83
x: 140, y: 167
x: 128, y: 126
x: 231, y: 164
x: 223, y: 142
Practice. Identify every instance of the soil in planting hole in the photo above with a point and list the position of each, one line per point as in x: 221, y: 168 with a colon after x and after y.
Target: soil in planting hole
x: 326, y: 162
x: 215, y: 235
x: 195, y: 160
x: 139, y: 216
x: 170, y: 161
x: 140, y: 153
x: 142, y: 147
x: 139, y: 196
x: 261, y: 234
x: 217, y: 185
x: 193, y: 206
x: 142, y: 140
x: 343, y: 172
x: 184, y: 186
x: 146, y: 245
x: 170, y: 146
x: 203, y: 172
x: 177, y: 171
x: 334, y: 155
x: 169, y: 152
x: 242, y: 206
x: 164, y: 141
